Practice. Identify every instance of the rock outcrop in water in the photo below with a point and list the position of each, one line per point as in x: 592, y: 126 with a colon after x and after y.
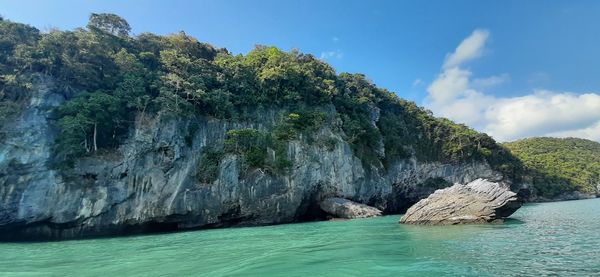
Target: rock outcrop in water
x: 149, y: 183
x: 344, y: 208
x: 480, y: 201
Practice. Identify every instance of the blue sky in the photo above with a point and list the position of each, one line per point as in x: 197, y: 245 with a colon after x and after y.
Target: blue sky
x: 523, y: 59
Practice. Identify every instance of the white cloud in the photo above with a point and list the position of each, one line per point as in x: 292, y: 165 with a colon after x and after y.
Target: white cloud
x: 592, y: 133
x: 337, y: 54
x: 470, y: 48
x: 449, y: 85
x: 335, y: 39
x: 456, y: 95
x: 543, y: 113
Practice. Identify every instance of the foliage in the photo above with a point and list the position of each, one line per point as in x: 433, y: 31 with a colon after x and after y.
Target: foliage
x: 16, y: 57
x: 208, y: 166
x: 110, y: 78
x: 558, y: 165
x: 109, y: 23
x: 242, y: 140
x: 299, y: 122
x: 356, y: 101
x: 91, y: 121
x: 253, y: 146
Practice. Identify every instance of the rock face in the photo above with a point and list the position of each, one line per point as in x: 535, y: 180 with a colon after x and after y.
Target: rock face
x: 149, y: 183
x: 344, y: 208
x: 480, y: 201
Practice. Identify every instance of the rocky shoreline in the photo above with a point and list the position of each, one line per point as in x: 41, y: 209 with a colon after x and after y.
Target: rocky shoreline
x: 148, y: 184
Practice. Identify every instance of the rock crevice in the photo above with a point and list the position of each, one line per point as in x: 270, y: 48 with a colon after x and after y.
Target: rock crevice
x: 150, y: 179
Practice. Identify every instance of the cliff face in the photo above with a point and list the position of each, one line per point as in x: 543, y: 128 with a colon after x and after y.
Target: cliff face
x: 149, y: 183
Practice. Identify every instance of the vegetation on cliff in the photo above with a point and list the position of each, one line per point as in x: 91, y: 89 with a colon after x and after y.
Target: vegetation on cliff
x: 110, y: 77
x: 558, y: 165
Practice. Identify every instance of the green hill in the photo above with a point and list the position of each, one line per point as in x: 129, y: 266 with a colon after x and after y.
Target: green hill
x: 108, y: 77
x: 557, y: 165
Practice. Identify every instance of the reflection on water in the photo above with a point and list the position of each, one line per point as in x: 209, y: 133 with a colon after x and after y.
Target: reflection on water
x: 545, y: 239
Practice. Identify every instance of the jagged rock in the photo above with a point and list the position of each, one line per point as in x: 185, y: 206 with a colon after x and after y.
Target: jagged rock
x: 480, y: 201
x: 344, y: 208
x: 149, y: 182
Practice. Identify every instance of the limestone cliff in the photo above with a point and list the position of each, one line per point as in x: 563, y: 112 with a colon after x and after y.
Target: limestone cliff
x: 149, y: 184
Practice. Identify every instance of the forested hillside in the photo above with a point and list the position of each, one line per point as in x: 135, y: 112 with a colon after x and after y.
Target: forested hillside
x: 109, y: 77
x: 560, y: 165
x: 106, y: 132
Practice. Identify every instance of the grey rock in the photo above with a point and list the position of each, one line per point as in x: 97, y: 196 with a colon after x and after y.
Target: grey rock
x: 480, y: 201
x: 344, y: 208
x: 149, y: 182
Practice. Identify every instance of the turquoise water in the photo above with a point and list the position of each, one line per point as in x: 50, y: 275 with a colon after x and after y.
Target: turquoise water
x: 543, y: 239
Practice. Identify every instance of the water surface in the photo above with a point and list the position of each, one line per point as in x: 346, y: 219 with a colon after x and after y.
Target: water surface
x: 560, y: 238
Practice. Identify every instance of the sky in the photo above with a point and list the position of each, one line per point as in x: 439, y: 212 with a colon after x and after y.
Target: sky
x: 513, y: 69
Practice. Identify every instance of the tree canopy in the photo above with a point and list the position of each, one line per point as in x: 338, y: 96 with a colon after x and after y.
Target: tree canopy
x: 109, y: 23
x: 560, y: 165
x: 110, y: 77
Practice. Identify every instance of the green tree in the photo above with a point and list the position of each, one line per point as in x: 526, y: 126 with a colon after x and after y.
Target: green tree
x: 109, y: 23
x: 559, y: 165
x: 94, y: 119
x: 187, y: 82
x: 133, y: 85
x: 190, y: 46
x: 108, y: 78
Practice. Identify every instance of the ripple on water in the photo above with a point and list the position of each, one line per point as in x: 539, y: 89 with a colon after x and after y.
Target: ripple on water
x: 543, y: 239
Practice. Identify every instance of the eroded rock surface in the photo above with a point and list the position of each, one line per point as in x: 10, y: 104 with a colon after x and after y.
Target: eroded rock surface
x: 149, y: 182
x: 480, y: 201
x: 344, y: 208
